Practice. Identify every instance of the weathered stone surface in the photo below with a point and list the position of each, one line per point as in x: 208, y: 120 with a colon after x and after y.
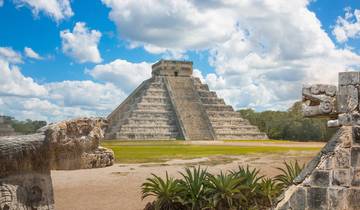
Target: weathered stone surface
x: 25, y: 161
x: 316, y: 198
x: 338, y: 198
x: 341, y: 177
x: 297, y: 199
x: 354, y: 198
x: 320, y: 178
x: 339, y: 161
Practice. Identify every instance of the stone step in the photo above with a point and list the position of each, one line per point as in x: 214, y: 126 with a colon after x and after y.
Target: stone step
x: 146, y: 136
x: 236, y: 127
x: 150, y: 121
x: 153, y: 106
x: 156, y: 100
x: 235, y: 132
x: 148, y: 129
x: 212, y: 100
x: 152, y: 114
x: 156, y: 85
x: 218, y: 107
x: 243, y: 136
x: 204, y: 93
x: 204, y: 87
x: 223, y: 114
x: 155, y: 93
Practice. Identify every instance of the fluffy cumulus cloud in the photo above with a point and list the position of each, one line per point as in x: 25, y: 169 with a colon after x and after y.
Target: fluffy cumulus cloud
x: 347, y: 27
x: 124, y: 74
x: 56, y: 9
x: 262, y: 51
x: 24, y: 98
x: 81, y: 44
x: 30, y: 53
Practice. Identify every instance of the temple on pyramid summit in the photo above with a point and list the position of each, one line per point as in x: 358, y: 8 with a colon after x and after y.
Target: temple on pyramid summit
x: 173, y: 104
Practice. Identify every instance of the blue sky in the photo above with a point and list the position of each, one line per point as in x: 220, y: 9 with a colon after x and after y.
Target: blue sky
x: 254, y: 54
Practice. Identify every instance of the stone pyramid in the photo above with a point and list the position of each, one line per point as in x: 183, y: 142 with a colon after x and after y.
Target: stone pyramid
x: 5, y: 127
x: 173, y: 104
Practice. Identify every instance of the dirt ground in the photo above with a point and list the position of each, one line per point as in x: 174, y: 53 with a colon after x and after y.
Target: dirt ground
x: 118, y: 186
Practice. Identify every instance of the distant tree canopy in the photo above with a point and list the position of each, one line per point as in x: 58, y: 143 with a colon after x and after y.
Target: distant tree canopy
x: 27, y: 126
x: 290, y: 124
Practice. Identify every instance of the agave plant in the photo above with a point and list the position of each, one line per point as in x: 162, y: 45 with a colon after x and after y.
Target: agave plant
x: 269, y: 189
x: 167, y: 192
x: 250, y: 178
x: 193, y: 188
x: 289, y: 173
x: 225, y: 191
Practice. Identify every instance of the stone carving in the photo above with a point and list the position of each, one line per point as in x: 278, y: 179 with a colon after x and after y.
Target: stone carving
x: 332, y: 179
x: 26, y: 161
x: 173, y: 104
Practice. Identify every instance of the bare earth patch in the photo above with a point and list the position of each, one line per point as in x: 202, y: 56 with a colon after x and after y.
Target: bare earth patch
x: 118, y: 186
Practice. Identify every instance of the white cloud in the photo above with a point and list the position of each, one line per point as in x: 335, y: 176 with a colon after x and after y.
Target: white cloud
x: 262, y: 51
x: 347, y: 27
x: 122, y: 73
x: 81, y: 44
x: 23, y: 98
x: 1, y: 3
x: 31, y: 53
x: 56, y: 9
x: 13, y: 83
x: 9, y: 55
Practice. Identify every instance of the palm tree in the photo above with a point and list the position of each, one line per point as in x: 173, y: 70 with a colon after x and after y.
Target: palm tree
x: 224, y: 191
x: 289, y: 173
x: 193, y: 188
x: 167, y: 192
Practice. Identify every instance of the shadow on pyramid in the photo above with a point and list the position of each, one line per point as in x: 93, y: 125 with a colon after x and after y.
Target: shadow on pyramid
x: 173, y: 104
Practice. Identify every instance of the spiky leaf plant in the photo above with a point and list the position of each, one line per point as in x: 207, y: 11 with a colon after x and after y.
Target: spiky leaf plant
x: 167, y: 192
x: 289, y: 173
x: 225, y: 191
x: 193, y: 187
x: 269, y: 190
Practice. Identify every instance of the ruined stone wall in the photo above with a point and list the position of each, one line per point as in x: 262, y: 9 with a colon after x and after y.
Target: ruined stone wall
x: 26, y: 160
x: 332, y: 179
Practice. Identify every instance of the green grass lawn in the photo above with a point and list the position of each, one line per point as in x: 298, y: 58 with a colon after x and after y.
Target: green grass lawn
x: 160, y: 151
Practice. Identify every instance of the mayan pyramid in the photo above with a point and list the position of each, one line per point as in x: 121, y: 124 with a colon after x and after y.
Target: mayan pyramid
x: 173, y: 104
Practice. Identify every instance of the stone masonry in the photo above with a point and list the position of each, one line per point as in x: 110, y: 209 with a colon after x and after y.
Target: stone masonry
x: 173, y: 104
x: 5, y: 127
x: 332, y: 179
x: 26, y: 160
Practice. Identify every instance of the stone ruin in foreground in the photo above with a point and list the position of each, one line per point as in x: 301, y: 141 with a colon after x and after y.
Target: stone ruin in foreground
x: 332, y: 179
x: 26, y: 160
x: 173, y: 104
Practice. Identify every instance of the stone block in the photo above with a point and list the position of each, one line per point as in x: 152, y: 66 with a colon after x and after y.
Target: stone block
x: 355, y: 157
x: 354, y: 199
x: 341, y: 177
x: 356, y: 135
x: 356, y: 178
x: 320, y: 178
x: 347, y: 99
x: 317, y: 198
x: 342, y: 158
x: 349, y: 78
x: 298, y: 199
x: 337, y: 198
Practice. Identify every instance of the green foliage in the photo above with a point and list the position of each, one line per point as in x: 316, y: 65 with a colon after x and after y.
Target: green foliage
x: 193, y: 187
x: 225, y: 191
x: 240, y: 189
x: 25, y: 127
x: 167, y: 192
x: 289, y: 173
x: 290, y: 124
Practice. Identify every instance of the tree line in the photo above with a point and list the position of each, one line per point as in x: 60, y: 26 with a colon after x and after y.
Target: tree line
x: 25, y: 126
x: 290, y: 124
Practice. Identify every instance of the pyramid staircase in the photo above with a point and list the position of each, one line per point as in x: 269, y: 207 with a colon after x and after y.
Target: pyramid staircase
x: 173, y: 104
